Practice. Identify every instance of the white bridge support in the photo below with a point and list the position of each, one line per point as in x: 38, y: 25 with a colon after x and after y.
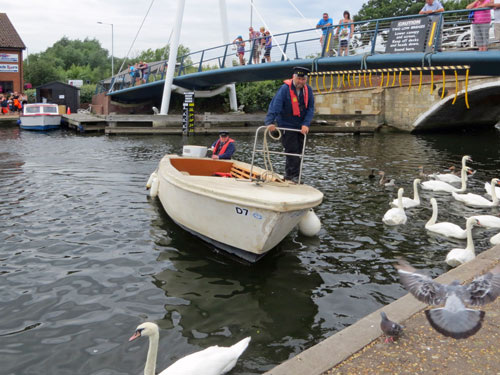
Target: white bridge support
x: 172, y: 59
x: 233, y: 101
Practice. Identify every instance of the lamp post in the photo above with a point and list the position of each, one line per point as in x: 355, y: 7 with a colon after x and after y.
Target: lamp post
x: 112, y: 47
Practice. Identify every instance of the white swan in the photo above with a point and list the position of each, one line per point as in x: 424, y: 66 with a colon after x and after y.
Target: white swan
x: 488, y: 221
x: 487, y: 187
x: 495, y: 240
x: 408, y: 202
x: 457, y: 257
x: 444, y: 228
x: 452, y: 177
x: 386, y: 181
x: 396, y: 216
x: 444, y: 186
x: 476, y: 200
x: 214, y: 360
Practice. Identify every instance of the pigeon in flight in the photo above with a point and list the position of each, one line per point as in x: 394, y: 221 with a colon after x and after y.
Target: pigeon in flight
x: 454, y: 319
x: 390, y: 328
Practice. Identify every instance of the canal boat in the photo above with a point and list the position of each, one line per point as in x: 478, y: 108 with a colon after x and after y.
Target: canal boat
x: 40, y: 116
x: 235, y: 206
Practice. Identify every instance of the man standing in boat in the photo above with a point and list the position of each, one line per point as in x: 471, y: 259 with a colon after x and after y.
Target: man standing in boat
x: 293, y: 108
x: 223, y: 148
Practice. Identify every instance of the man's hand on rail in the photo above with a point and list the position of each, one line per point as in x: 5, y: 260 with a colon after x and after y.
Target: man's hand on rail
x: 304, y: 130
x: 271, y: 127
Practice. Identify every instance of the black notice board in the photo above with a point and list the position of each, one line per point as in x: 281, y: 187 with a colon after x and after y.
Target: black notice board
x: 408, y: 35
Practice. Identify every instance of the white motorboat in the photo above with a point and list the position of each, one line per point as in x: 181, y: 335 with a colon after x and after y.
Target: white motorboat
x: 217, y: 201
x: 40, y: 116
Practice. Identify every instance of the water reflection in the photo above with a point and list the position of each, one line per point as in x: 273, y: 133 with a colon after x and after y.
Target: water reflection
x: 85, y: 255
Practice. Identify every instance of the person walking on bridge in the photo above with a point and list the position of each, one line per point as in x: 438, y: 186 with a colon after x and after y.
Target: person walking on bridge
x: 293, y: 108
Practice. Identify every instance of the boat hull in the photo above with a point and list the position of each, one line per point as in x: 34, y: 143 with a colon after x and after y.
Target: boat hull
x: 40, y: 122
x: 222, y: 211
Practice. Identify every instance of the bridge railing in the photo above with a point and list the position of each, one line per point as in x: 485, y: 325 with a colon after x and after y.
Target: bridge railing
x: 370, y: 37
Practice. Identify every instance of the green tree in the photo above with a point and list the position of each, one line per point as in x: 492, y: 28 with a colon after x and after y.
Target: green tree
x: 374, y: 9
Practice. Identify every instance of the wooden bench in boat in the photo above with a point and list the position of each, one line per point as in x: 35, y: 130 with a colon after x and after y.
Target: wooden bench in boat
x: 209, y: 167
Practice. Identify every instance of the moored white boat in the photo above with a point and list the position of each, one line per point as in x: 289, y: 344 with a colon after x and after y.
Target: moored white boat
x: 40, y: 116
x: 218, y: 202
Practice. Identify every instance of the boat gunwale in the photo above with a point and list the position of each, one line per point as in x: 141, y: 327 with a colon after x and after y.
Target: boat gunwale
x: 186, y: 182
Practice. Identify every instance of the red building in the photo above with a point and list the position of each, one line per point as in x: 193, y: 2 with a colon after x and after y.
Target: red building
x: 11, y: 57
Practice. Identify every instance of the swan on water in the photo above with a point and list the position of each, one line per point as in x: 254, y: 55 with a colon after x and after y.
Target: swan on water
x: 452, y: 176
x: 488, y: 221
x: 476, y: 200
x: 408, y: 202
x: 495, y: 240
x: 446, y: 187
x: 487, y: 187
x: 386, y: 181
x: 457, y: 257
x: 214, y: 360
x: 396, y: 216
x: 444, y: 228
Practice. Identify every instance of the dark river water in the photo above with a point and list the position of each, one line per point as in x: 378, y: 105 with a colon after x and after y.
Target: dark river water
x: 86, y: 255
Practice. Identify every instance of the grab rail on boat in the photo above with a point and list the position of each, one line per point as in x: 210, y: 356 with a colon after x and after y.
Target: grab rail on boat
x: 263, y: 151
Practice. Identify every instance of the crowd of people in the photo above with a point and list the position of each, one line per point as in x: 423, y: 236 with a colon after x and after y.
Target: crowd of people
x: 261, y: 43
x: 138, y: 72
x: 12, y: 103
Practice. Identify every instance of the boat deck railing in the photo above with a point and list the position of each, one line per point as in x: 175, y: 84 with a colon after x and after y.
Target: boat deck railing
x: 266, y: 152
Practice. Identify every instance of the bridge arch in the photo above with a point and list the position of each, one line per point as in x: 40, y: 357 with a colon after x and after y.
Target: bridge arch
x: 484, y: 110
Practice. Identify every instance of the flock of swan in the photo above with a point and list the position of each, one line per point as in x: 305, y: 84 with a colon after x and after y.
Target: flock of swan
x: 443, y: 183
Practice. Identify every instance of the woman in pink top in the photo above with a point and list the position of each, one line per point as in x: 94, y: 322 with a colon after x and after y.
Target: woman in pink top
x: 481, y: 23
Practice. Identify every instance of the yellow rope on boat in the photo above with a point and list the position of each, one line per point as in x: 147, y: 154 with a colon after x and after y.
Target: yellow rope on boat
x: 364, y: 78
x: 331, y: 82
x: 420, y: 82
x: 456, y: 88
x: 382, y: 79
x: 370, y: 79
x: 444, y: 84
x: 411, y: 76
x: 349, y: 78
x: 324, y: 77
x: 466, y: 84
x: 343, y: 80
x: 393, y: 78
x: 400, y: 81
x: 359, y: 79
x: 338, y: 80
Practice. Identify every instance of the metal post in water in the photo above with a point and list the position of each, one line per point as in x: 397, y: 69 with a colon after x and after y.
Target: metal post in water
x: 172, y: 58
x: 233, y: 101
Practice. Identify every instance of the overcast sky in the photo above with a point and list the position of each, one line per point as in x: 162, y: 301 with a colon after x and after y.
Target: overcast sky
x: 41, y: 23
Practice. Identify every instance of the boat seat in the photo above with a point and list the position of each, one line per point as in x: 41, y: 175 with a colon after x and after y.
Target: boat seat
x: 238, y: 172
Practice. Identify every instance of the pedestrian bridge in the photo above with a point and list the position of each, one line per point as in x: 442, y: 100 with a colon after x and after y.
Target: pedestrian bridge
x: 372, y: 51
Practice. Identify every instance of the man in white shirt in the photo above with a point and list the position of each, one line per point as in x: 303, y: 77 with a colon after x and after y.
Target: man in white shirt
x: 431, y: 6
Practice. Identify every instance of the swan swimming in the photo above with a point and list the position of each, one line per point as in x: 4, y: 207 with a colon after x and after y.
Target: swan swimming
x: 487, y: 187
x: 214, y: 360
x: 444, y: 228
x: 452, y: 177
x: 476, y: 200
x: 396, y: 216
x: 457, y: 257
x: 408, y: 202
x: 446, y: 187
x: 488, y: 221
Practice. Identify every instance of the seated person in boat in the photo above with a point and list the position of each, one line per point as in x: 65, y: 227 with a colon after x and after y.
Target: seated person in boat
x: 224, y: 147
x: 292, y: 107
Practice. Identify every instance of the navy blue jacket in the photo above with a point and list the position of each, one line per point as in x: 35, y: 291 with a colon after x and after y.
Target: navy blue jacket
x: 231, y: 148
x: 280, y: 110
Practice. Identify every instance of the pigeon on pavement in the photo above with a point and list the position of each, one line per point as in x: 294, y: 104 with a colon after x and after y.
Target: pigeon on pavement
x: 454, y: 319
x: 390, y: 328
